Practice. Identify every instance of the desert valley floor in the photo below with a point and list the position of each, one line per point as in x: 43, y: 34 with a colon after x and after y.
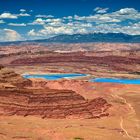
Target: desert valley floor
x: 69, y: 109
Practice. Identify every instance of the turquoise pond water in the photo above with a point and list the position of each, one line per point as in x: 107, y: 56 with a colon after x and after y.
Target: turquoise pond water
x: 54, y: 76
x: 119, y: 81
x: 77, y: 75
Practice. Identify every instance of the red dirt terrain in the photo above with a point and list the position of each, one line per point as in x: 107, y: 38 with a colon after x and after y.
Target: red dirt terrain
x: 46, y: 103
x: 110, y: 61
x: 69, y: 109
x: 98, y: 59
x: 51, y: 104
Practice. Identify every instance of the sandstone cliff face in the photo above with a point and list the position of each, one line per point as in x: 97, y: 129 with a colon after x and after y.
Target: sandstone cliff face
x: 10, y: 77
x: 115, y: 63
x: 51, y: 104
x: 17, y: 99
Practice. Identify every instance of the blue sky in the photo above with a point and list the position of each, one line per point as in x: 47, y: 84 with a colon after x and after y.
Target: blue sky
x: 39, y: 19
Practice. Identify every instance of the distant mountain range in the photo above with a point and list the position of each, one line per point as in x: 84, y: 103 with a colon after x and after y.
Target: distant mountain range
x: 85, y: 38
x: 96, y: 37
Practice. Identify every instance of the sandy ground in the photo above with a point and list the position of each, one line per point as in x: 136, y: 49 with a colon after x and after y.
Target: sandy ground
x: 122, y: 124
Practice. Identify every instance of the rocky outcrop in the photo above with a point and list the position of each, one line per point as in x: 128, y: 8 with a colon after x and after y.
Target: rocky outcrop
x: 1, y: 67
x: 17, y: 99
x: 10, y: 77
x: 117, y: 63
x: 50, y: 103
x: 76, y: 58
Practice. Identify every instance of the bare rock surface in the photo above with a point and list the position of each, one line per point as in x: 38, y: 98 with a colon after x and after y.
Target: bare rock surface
x: 8, y: 77
x: 46, y: 103
x: 51, y: 104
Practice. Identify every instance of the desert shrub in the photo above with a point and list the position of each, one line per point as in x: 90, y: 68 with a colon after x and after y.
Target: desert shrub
x: 78, y: 138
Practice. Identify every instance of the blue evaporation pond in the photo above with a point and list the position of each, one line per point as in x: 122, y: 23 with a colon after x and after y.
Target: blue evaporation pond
x: 114, y: 80
x: 54, y: 76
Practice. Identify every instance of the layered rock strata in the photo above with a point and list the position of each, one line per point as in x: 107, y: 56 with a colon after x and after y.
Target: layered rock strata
x: 51, y: 104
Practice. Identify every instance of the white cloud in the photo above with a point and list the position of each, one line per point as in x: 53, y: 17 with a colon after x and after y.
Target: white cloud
x: 44, y: 16
x: 32, y: 33
x: 69, y: 17
x: 22, y: 10
x: 126, y: 14
x: 101, y: 22
x: 49, y: 30
x: 126, y: 11
x: 97, y: 18
x: 17, y: 24
x: 54, y: 20
x: 54, y: 28
x: 134, y: 29
x: 1, y: 22
x: 9, y: 35
x: 8, y: 15
x: 38, y: 21
x: 100, y: 10
x: 125, y: 20
x: 23, y: 15
x: 118, y: 16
